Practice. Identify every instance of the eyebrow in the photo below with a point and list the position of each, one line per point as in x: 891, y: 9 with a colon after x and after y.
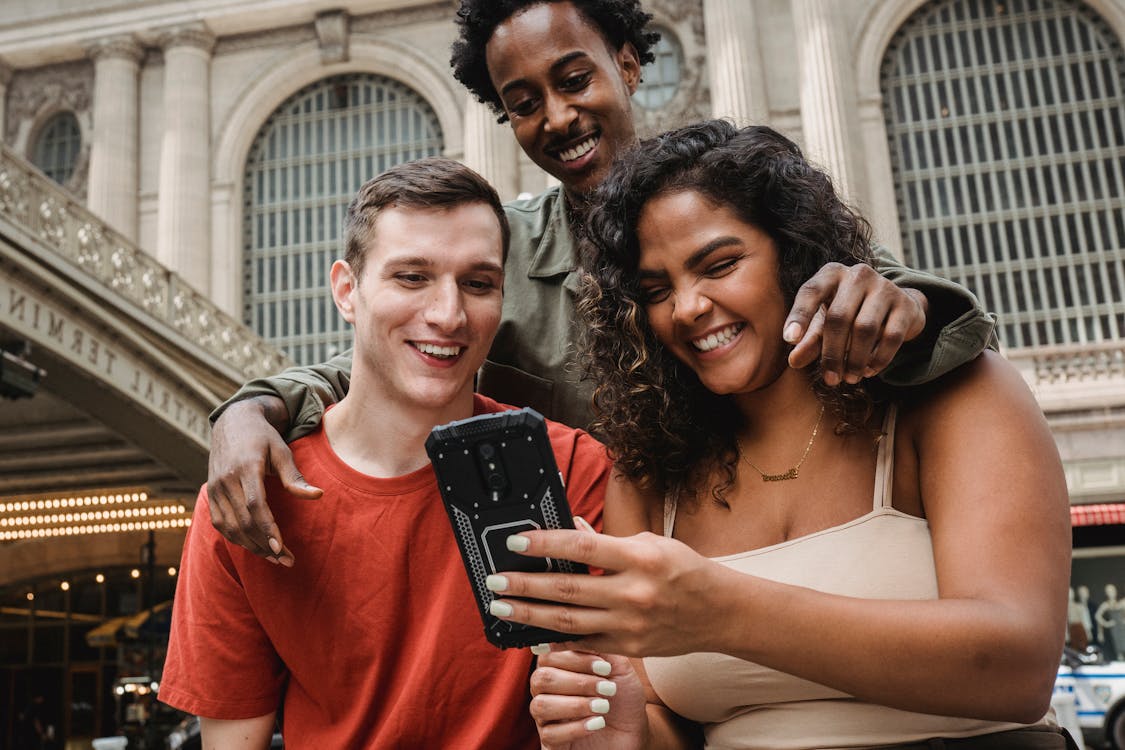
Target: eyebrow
x: 560, y: 63
x: 696, y: 258
x: 419, y: 261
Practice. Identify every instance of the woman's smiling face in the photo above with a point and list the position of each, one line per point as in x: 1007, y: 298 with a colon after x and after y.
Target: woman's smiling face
x: 710, y: 288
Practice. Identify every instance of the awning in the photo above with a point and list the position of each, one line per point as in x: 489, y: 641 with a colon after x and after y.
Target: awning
x: 106, y: 633
x: 1097, y: 514
x: 110, y: 632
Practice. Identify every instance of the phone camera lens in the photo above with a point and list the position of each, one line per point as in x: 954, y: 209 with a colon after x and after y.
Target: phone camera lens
x: 495, y: 482
x: 487, y: 450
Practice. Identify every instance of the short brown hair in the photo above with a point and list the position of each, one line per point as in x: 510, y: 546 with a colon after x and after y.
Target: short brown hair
x: 433, y: 183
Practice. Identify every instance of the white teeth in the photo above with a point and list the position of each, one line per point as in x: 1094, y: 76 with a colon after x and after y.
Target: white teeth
x: 581, y: 149
x: 715, y: 340
x: 445, y: 352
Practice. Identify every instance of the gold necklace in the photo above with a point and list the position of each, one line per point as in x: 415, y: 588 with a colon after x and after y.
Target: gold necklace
x: 792, y: 473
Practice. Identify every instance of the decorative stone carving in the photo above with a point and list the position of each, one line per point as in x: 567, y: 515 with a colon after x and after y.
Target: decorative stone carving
x: 35, y: 95
x: 190, y: 35
x: 125, y: 47
x: 332, y: 35
x: 32, y: 93
x: 63, y: 225
x: 692, y: 101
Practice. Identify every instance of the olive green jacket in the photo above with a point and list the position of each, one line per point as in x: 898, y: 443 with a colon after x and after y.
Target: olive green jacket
x: 532, y: 360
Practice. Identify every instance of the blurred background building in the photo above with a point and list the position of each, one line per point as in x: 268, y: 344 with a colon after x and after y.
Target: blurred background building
x: 173, y: 175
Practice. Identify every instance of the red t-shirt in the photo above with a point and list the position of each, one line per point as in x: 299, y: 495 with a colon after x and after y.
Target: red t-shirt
x: 372, y: 639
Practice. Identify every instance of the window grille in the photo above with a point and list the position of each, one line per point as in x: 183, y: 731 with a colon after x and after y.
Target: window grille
x: 56, y: 149
x: 660, y: 79
x: 1006, y: 127
x: 306, y: 163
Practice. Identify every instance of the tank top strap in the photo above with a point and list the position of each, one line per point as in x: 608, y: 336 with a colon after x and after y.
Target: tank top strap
x: 669, y: 514
x: 885, y: 464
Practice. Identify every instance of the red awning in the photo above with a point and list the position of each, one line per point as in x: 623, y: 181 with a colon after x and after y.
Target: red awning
x: 1097, y: 514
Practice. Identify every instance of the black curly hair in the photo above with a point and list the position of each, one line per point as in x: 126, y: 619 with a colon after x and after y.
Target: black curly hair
x: 662, y: 426
x: 619, y: 21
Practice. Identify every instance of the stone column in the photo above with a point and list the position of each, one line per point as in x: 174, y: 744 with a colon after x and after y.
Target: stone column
x: 491, y: 149
x: 183, y: 217
x: 827, y: 92
x: 734, y: 62
x: 5, y: 79
x: 112, y: 191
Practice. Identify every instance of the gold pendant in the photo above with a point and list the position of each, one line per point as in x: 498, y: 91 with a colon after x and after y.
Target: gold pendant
x: 791, y: 474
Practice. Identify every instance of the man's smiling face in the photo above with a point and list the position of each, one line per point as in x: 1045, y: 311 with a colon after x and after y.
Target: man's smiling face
x: 565, y: 90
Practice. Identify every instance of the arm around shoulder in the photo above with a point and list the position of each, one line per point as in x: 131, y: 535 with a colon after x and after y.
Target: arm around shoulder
x: 957, y: 327
x: 306, y: 392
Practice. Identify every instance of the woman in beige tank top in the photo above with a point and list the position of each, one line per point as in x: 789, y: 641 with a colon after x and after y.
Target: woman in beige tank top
x: 808, y: 566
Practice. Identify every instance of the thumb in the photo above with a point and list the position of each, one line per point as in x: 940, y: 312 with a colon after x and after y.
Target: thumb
x: 581, y: 524
x: 281, y: 458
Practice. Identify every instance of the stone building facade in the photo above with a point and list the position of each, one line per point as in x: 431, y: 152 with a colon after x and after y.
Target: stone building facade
x: 217, y: 141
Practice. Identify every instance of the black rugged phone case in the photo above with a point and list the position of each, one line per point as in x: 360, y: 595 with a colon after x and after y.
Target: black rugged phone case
x: 498, y: 477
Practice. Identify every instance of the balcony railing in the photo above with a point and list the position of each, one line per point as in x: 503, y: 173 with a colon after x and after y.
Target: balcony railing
x: 52, y: 217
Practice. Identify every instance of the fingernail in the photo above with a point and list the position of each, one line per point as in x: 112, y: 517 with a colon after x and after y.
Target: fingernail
x: 542, y: 648
x: 596, y: 723
x: 869, y: 372
x: 852, y: 378
x: 274, y: 560
x: 518, y: 543
x: 501, y: 609
x: 599, y: 706
x: 581, y: 523
x: 496, y: 583
x: 286, y: 561
x: 275, y: 546
x: 792, y: 332
x: 831, y: 378
x: 600, y: 666
x: 606, y: 688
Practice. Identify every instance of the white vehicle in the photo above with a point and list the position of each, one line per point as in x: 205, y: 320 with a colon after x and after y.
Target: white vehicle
x: 1098, y: 688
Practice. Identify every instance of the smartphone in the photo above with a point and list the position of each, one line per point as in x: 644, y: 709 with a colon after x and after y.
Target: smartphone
x: 498, y: 477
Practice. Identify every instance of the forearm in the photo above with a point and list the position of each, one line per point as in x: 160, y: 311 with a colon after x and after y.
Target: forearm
x: 957, y: 327
x: 304, y: 392
x: 991, y: 659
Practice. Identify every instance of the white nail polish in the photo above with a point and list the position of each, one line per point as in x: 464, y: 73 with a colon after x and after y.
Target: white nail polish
x: 596, y: 723
x: 517, y: 543
x: 541, y: 649
x: 500, y: 609
x: 606, y: 688
x: 599, y: 706
x: 496, y: 583
x: 600, y: 666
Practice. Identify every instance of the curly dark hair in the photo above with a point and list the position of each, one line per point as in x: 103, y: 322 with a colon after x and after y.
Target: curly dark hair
x: 662, y: 426
x: 619, y: 21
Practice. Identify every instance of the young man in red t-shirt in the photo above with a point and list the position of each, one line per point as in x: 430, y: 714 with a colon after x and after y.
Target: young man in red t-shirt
x: 372, y: 640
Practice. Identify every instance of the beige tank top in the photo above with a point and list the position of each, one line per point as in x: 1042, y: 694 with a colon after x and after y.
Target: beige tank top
x: 884, y: 554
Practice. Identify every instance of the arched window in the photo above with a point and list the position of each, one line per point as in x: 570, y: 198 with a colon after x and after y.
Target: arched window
x: 660, y: 79
x: 306, y: 163
x: 1006, y: 126
x: 56, y: 148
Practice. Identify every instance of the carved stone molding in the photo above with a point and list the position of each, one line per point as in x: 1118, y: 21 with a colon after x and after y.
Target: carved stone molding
x: 66, y: 227
x: 35, y: 94
x: 194, y: 35
x: 332, y: 35
x: 379, y: 22
x: 692, y: 101
x: 124, y: 47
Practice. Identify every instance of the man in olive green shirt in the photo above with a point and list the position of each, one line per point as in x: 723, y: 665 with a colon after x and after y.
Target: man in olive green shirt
x: 563, y: 75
